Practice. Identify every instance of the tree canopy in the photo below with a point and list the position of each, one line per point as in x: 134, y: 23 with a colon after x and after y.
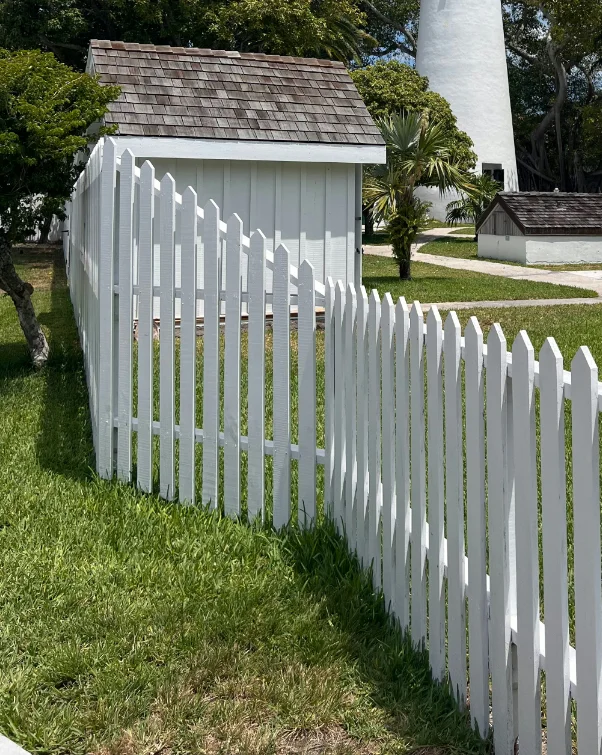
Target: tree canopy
x: 390, y: 87
x: 46, y: 109
x: 326, y: 28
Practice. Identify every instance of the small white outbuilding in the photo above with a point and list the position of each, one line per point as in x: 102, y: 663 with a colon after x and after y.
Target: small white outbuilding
x: 536, y: 228
x: 279, y: 140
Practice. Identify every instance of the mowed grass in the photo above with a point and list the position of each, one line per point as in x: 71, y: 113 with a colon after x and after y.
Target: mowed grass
x: 432, y: 284
x: 130, y: 625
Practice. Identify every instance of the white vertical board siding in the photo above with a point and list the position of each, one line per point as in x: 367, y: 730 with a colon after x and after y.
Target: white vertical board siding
x: 126, y: 241
x: 256, y: 410
x: 418, y: 472
x: 329, y: 398
x: 402, y: 464
x: 350, y: 215
x: 188, y: 349
x: 104, y: 455
x: 553, y: 499
x: 167, y: 341
x: 500, y: 649
x: 477, y: 565
x: 232, y: 369
x: 281, y: 356
x: 211, y: 370
x: 388, y: 449
x: 290, y: 209
x: 434, y: 372
x: 374, y: 438
x: 145, y: 329
x: 350, y: 415
x: 454, y: 493
x: 586, y: 514
x: 363, y: 478
x: 307, y: 396
x: 338, y: 210
x: 313, y: 220
x: 527, y: 559
x: 339, y: 408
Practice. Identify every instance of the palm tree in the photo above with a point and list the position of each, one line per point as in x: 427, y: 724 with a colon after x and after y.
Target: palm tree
x: 472, y: 204
x: 418, y: 154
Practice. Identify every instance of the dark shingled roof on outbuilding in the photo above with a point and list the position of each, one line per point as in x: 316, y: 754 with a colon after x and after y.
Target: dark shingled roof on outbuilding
x: 213, y: 94
x: 551, y: 213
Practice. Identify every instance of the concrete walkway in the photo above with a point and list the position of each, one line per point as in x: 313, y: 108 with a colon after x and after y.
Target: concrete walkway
x: 589, y: 279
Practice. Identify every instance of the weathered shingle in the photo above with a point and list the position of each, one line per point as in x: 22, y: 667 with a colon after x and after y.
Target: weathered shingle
x: 551, y: 213
x: 188, y: 92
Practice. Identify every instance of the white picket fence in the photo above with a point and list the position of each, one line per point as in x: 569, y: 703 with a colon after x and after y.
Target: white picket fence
x: 417, y: 416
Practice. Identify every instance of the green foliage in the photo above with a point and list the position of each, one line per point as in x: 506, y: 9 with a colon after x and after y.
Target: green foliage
x: 324, y: 28
x: 473, y: 203
x: 391, y: 87
x: 45, y: 112
x: 418, y: 154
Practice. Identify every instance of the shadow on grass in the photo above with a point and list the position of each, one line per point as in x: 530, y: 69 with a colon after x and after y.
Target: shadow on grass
x: 398, y: 675
x: 64, y: 443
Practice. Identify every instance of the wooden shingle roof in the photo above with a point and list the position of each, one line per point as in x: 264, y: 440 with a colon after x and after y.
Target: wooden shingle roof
x: 212, y: 94
x: 551, y: 213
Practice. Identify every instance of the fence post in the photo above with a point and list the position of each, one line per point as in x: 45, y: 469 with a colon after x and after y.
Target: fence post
x: 527, y: 546
x: 586, y: 513
x: 363, y: 481
x: 436, y: 464
x: 388, y: 449
x: 553, y: 499
x: 307, y: 396
x: 329, y: 399
x: 374, y: 438
x: 350, y: 416
x: 340, y: 404
x: 106, y: 432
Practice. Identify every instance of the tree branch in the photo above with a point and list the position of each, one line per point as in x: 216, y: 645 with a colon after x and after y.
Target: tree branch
x: 408, y: 50
x: 527, y: 56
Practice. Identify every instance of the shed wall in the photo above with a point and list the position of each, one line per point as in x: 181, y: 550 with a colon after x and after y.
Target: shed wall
x: 509, y: 248
x: 563, y: 250
x: 499, y: 223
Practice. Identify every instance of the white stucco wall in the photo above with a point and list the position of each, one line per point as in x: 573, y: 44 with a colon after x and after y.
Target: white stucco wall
x: 564, y: 250
x: 462, y: 51
x: 509, y: 248
x: 438, y: 201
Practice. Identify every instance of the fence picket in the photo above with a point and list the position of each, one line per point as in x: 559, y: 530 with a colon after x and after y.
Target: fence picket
x: 167, y: 341
x: 374, y: 439
x: 126, y: 316
x: 388, y: 449
x: 350, y: 416
x: 329, y: 398
x: 363, y: 479
x: 188, y: 348
x: 106, y: 274
x: 232, y: 368
x: 434, y: 372
x: 145, y: 328
x: 500, y: 650
x: 454, y: 492
x: 256, y: 473
x: 339, y: 407
x: 281, y: 377
x: 402, y: 464
x: 211, y: 367
x: 478, y: 649
x: 553, y: 499
x: 527, y: 548
x: 586, y: 513
x: 307, y: 395
x: 418, y: 471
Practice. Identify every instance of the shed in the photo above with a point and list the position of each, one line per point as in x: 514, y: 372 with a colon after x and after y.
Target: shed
x: 279, y: 140
x: 551, y: 228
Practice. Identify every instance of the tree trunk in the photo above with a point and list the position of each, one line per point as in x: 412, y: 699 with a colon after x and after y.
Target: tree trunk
x: 404, y: 270
x: 369, y: 223
x: 20, y: 292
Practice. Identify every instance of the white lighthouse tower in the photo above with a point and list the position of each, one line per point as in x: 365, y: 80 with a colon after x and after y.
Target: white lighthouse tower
x: 461, y: 50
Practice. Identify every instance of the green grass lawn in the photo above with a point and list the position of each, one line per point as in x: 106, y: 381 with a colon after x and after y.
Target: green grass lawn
x: 131, y: 626
x: 464, y: 230
x: 431, y: 283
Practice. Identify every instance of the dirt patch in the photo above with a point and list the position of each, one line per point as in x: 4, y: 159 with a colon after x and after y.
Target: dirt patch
x: 39, y: 264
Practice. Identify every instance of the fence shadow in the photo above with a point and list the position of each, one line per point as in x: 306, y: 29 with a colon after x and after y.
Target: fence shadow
x: 398, y: 676
x: 64, y: 443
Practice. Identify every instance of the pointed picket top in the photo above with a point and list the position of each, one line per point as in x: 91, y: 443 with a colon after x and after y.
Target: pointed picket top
x: 473, y: 331
x: 339, y: 293
x: 282, y: 257
x: 496, y: 338
x: 583, y: 359
x: 147, y: 168
x: 168, y: 182
x: 306, y: 269
x: 433, y: 317
x: 402, y: 305
x: 551, y: 356
x: 234, y: 226
x: 362, y: 295
x: 388, y: 310
x: 452, y: 325
x: 258, y: 241
x: 351, y: 294
x: 522, y: 346
x: 128, y: 161
x: 189, y: 196
x: 416, y: 313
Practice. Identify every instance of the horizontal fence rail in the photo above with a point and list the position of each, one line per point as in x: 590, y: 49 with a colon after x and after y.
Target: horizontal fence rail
x: 443, y: 457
